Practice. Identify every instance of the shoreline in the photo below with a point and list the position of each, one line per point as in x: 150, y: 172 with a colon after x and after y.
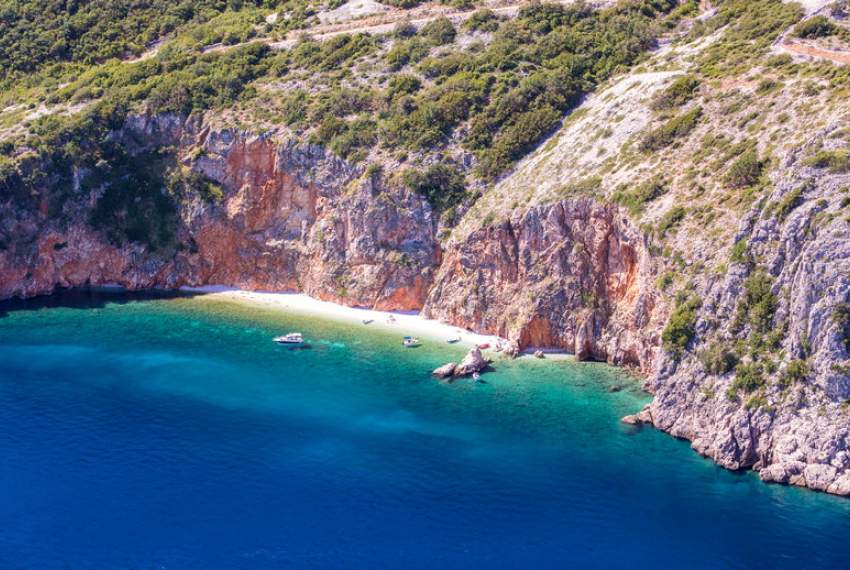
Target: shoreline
x: 402, y: 322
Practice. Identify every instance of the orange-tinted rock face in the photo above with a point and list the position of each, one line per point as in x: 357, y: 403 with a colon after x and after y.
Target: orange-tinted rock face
x: 573, y: 275
x: 293, y: 218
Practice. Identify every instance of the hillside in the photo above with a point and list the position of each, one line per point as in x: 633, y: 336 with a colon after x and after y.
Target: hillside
x: 657, y: 184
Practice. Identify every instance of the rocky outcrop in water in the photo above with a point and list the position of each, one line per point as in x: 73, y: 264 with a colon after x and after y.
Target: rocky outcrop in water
x: 473, y: 362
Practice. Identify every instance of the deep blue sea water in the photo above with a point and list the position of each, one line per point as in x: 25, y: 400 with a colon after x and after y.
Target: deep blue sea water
x: 171, y: 433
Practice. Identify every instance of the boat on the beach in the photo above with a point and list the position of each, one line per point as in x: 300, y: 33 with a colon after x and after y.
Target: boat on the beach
x: 411, y: 342
x: 453, y: 340
x: 290, y: 338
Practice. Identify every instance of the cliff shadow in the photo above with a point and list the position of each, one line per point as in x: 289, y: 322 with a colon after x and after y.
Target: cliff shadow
x: 90, y: 298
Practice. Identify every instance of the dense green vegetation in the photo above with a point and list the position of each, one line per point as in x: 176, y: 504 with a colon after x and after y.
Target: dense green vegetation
x: 758, y: 303
x: 841, y: 317
x: 36, y: 33
x: 507, y: 94
x: 681, y: 327
x: 718, y: 359
x: 817, y: 27
x: 441, y: 184
x: 751, y: 28
x: 749, y: 377
x: 836, y: 161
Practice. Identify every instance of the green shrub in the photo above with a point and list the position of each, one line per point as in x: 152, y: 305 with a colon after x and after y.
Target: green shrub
x: 680, y: 329
x: 748, y: 378
x: 796, y: 371
x: 406, y: 52
x: 405, y: 4
x: 816, y: 27
x: 746, y: 170
x: 718, y: 359
x: 358, y: 134
x: 665, y: 280
x: 788, y: 202
x: 634, y: 200
x: 837, y: 161
x: 670, y: 220
x: 738, y: 254
x: 483, y: 20
x: 183, y: 181
x: 677, y: 94
x: 35, y: 34
x: 841, y: 317
x: 293, y: 106
x: 403, y: 84
x: 441, y: 184
x: 439, y: 31
x: 759, y: 303
x: 676, y: 127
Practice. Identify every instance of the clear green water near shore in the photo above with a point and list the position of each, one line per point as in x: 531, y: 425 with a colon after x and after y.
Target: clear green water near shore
x: 170, y: 432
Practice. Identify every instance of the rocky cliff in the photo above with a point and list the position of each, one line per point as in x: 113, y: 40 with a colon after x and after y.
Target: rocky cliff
x: 575, y: 275
x: 292, y: 216
x: 789, y: 420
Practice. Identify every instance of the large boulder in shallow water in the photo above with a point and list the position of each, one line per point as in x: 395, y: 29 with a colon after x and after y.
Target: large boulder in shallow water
x: 473, y: 362
x: 512, y: 349
x: 446, y: 370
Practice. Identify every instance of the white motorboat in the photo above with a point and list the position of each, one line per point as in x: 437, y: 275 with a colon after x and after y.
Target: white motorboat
x: 453, y: 340
x: 290, y: 338
x: 411, y: 342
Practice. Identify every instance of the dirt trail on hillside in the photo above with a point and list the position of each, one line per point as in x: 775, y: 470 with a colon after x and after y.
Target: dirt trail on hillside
x: 840, y: 57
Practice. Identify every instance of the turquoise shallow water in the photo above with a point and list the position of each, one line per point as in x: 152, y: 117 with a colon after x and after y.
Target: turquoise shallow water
x: 141, y: 432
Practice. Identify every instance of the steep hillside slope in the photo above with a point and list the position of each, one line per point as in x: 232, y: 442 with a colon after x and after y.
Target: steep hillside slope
x: 732, y: 159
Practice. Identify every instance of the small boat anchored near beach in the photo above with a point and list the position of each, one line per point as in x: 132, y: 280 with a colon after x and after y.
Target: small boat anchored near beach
x: 290, y: 338
x: 453, y: 340
x: 411, y: 342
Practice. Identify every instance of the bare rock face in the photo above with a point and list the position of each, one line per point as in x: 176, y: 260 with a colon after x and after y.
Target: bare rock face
x: 574, y: 275
x: 294, y: 217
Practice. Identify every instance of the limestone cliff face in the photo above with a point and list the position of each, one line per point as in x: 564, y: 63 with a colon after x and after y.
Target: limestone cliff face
x: 294, y: 217
x: 575, y: 275
x: 798, y: 431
